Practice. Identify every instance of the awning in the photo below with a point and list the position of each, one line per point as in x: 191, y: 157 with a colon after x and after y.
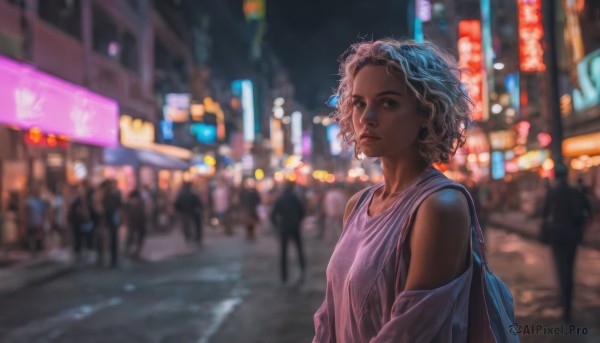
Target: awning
x: 122, y: 156
x: 582, y: 145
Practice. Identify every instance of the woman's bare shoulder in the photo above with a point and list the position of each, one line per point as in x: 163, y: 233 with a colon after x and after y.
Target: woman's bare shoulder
x: 439, y: 240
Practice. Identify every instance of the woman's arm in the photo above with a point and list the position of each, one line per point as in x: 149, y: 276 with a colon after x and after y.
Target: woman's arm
x: 439, y: 240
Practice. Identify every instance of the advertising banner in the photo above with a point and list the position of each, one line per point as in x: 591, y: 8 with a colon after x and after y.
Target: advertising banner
x: 30, y: 98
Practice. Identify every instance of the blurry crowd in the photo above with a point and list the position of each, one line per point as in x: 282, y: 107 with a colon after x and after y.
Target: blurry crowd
x: 101, y: 225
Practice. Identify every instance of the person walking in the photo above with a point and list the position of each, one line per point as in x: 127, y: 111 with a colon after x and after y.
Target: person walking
x: 286, y: 216
x: 81, y: 220
x: 135, y: 216
x: 112, y: 206
x: 249, y: 200
x: 334, y: 204
x: 190, y: 207
x: 36, y: 216
x: 563, y: 221
x: 220, y: 204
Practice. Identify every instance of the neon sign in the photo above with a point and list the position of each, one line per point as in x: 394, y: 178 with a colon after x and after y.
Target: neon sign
x: 588, y: 75
x: 177, y: 106
x: 208, y: 105
x: 470, y: 55
x: 136, y: 133
x: 33, y: 99
x: 35, y: 137
x: 531, y: 33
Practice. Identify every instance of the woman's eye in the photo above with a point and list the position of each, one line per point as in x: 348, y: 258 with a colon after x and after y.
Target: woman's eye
x: 388, y: 103
x: 358, y: 104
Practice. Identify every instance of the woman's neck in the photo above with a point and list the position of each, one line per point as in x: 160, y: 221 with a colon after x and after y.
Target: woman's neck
x: 400, y: 174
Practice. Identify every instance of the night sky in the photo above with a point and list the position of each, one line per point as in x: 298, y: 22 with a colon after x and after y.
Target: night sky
x: 310, y: 35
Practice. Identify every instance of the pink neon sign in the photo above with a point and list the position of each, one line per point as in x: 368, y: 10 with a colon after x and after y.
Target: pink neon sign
x: 30, y: 98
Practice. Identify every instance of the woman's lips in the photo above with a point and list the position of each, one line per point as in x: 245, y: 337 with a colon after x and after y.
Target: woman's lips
x: 369, y: 138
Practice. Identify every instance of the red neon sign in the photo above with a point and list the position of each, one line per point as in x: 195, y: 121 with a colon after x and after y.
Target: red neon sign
x: 35, y: 137
x: 470, y: 55
x: 531, y: 33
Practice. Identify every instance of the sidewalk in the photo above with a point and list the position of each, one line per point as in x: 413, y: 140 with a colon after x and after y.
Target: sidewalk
x: 520, y: 223
x: 18, y: 269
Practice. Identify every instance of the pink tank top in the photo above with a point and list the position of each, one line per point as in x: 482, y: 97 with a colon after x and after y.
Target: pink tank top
x: 365, y: 300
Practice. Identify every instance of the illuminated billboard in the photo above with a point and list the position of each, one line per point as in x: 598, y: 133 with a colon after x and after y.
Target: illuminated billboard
x: 136, y: 133
x: 334, y: 143
x: 30, y: 98
x: 209, y: 106
x: 245, y: 90
x: 588, y: 76
x: 531, y: 33
x: 177, y: 107
x: 297, y: 132
x: 204, y: 133
x: 498, y: 169
x: 470, y: 55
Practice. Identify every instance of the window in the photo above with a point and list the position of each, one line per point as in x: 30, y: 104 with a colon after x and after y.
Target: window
x: 161, y: 56
x: 106, y: 38
x: 129, y: 57
x: 64, y: 14
x: 179, y: 67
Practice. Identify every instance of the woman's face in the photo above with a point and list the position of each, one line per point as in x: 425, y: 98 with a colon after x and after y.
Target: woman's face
x: 384, y: 114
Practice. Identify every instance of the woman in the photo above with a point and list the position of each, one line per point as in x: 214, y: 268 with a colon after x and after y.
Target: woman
x: 402, y: 268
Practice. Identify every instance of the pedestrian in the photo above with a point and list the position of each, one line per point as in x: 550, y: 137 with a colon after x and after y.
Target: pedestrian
x: 81, y: 221
x: 190, y: 207
x: 249, y: 200
x: 563, y: 221
x: 111, y: 205
x: 135, y: 214
x: 161, y: 215
x: 36, y: 217
x: 59, y: 209
x: 334, y: 204
x: 286, y: 216
x: 147, y: 200
x: 403, y: 270
x: 220, y: 204
x: 586, y: 202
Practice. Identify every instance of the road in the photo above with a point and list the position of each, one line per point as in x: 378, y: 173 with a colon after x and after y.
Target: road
x: 229, y: 291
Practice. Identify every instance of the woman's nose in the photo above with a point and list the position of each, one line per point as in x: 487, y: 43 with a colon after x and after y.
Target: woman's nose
x: 369, y: 116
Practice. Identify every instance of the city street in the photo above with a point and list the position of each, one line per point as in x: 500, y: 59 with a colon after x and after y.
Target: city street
x: 229, y: 291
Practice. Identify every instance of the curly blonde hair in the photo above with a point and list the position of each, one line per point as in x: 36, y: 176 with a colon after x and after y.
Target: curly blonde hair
x: 430, y: 74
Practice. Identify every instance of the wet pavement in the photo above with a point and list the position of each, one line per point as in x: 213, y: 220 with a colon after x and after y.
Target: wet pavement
x: 229, y: 291
x: 526, y: 266
x: 168, y: 298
